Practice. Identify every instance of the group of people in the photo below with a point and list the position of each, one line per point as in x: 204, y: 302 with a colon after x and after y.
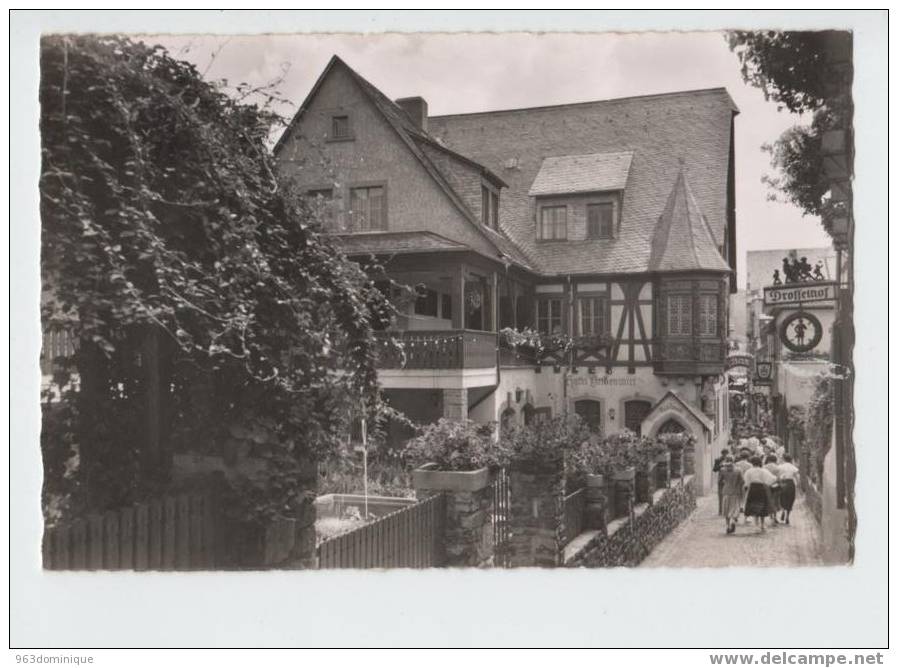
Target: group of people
x: 758, y: 480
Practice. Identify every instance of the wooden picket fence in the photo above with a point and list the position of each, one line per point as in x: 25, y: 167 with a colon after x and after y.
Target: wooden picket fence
x: 412, y: 537
x: 501, y: 518
x: 170, y: 533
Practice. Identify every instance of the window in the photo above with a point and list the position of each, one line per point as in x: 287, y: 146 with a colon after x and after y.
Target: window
x: 553, y: 223
x: 534, y: 416
x: 340, y: 127
x: 548, y: 316
x: 635, y: 411
x: 671, y: 426
x: 590, y: 411
x: 489, y: 207
x: 427, y: 302
x: 679, y: 314
x: 707, y: 315
x: 600, y: 221
x: 368, y: 209
x: 592, y: 320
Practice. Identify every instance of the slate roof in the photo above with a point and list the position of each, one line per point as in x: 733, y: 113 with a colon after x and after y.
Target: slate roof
x: 671, y: 396
x: 377, y: 243
x: 683, y: 241
x: 569, y: 174
x: 659, y: 131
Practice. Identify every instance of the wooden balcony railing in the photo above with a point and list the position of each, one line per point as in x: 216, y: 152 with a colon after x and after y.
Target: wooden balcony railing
x: 439, y: 349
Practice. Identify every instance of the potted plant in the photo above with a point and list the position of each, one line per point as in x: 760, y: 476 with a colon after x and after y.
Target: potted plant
x: 451, y: 455
x: 674, y: 444
x: 543, y: 447
x: 622, y: 454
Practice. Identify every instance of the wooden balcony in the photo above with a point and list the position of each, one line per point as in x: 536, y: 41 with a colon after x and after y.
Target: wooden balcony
x: 437, y: 349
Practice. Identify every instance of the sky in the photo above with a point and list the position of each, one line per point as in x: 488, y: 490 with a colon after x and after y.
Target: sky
x: 469, y: 72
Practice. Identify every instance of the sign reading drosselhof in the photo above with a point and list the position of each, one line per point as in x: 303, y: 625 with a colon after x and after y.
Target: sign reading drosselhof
x: 799, y: 293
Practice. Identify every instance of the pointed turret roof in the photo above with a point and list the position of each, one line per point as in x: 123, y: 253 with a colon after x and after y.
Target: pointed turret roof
x: 683, y: 240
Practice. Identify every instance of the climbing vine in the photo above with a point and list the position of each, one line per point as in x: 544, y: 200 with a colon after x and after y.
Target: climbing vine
x: 197, y: 283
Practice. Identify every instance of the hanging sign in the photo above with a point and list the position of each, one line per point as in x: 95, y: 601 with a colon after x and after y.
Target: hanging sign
x: 734, y: 361
x: 763, y: 373
x: 799, y: 293
x: 800, y: 332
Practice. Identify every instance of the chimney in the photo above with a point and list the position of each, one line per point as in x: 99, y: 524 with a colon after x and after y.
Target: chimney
x: 416, y: 109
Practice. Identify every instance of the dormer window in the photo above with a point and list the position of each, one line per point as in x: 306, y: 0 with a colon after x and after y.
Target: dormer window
x: 341, y: 130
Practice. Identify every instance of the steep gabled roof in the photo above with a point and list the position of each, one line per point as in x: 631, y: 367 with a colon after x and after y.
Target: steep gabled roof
x: 682, y: 240
x: 659, y: 131
x: 672, y: 397
x: 412, y: 136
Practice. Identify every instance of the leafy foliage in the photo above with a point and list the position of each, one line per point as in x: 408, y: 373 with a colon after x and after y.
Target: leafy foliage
x: 168, y: 240
x: 789, y: 67
x: 793, y: 70
x: 452, y: 445
x: 543, y: 446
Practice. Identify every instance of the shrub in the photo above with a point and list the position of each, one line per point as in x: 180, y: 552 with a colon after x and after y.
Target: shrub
x: 452, y: 446
x: 622, y: 450
x: 544, y: 446
x: 677, y: 441
x: 590, y: 458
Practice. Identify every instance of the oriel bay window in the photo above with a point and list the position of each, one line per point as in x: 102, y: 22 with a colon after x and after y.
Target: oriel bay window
x: 592, y: 316
x: 679, y: 314
x: 553, y: 223
x: 549, y: 317
x: 368, y: 209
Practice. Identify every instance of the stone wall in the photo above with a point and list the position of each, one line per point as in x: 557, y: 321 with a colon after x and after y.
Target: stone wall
x: 536, y: 519
x: 628, y: 542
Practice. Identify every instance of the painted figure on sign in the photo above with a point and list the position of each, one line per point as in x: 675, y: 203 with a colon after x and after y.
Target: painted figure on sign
x: 800, y: 329
x: 818, y: 272
x: 776, y: 277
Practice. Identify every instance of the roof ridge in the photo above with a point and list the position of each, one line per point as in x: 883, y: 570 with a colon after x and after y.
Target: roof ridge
x: 583, y: 103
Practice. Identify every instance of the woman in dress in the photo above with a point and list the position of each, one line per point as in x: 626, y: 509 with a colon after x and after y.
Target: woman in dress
x: 788, y: 479
x: 757, y: 481
x: 731, y: 487
x: 770, y: 463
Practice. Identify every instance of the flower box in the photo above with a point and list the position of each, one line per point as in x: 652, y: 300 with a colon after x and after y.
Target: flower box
x: 628, y: 473
x: 428, y: 477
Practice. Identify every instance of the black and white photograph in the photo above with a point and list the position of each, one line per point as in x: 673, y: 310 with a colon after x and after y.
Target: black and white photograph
x: 505, y: 304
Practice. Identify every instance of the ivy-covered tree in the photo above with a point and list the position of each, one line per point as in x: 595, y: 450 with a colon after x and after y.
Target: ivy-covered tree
x: 211, y: 314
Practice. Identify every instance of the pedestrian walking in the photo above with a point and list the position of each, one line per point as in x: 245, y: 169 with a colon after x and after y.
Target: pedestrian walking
x: 770, y: 463
x: 757, y: 482
x: 731, y: 488
x: 717, y: 468
x: 743, y: 464
x: 788, y: 479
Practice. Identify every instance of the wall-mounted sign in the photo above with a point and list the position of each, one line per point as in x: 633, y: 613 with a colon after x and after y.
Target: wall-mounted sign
x: 799, y: 293
x: 800, y: 332
x: 763, y: 373
x: 734, y: 361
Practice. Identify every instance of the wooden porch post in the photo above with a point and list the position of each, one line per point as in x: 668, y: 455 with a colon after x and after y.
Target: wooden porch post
x: 494, y: 303
x: 458, y: 291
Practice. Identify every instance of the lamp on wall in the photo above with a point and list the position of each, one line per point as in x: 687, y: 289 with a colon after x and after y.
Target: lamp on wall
x: 518, y: 393
x: 611, y: 414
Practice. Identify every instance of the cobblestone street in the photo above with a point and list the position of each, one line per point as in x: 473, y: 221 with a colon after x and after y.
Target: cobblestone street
x: 701, y: 541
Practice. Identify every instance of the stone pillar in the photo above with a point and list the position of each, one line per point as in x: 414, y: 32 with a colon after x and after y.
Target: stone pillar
x: 624, y: 489
x: 598, y: 510
x: 662, y: 471
x: 688, y: 459
x: 645, y: 483
x: 455, y: 404
x: 537, y: 518
x: 468, y: 529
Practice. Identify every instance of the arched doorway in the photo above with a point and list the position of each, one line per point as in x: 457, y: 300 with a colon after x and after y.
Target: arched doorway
x: 671, y: 426
x: 590, y: 411
x: 507, y: 419
x: 635, y: 411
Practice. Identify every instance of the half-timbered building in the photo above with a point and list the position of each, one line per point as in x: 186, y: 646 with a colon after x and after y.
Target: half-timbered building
x: 608, y: 227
